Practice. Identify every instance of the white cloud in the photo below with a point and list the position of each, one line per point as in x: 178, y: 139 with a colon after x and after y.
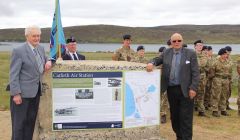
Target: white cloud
x: 20, y: 13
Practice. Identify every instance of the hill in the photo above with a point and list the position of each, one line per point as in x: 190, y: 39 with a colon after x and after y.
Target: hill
x: 113, y: 34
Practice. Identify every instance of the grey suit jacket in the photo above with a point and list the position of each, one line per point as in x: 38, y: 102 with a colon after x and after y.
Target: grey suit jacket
x: 24, y: 73
x: 189, y: 71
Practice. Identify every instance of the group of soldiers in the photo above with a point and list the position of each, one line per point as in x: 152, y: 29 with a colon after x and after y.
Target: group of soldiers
x: 214, y: 88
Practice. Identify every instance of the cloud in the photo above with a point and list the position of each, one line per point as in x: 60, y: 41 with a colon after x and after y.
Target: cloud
x: 125, y: 12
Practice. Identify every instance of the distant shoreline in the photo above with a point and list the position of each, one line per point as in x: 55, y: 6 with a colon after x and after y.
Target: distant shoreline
x: 210, y: 34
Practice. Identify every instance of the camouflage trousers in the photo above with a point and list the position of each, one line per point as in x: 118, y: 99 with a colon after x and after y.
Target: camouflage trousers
x: 229, y: 93
x: 199, y: 100
x: 238, y: 100
x: 164, y: 104
x: 220, y: 88
x: 207, y: 97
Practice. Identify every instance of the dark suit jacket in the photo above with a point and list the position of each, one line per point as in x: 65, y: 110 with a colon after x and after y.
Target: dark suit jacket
x: 67, y: 56
x: 189, y: 71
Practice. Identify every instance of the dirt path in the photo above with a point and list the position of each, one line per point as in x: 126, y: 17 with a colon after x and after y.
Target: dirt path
x: 5, y: 125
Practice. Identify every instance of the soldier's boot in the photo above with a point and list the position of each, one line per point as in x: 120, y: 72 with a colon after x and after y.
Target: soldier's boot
x: 206, y: 108
x: 163, y: 119
x: 202, y: 114
x: 224, y: 113
x: 215, y: 114
x: 196, y: 108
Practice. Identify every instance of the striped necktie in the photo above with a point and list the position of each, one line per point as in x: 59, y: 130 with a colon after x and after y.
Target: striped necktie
x: 39, y: 60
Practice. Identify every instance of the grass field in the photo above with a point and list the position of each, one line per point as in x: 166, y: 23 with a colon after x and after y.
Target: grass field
x: 5, y: 61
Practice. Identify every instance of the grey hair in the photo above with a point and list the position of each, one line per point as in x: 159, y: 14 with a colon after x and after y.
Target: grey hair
x: 30, y: 28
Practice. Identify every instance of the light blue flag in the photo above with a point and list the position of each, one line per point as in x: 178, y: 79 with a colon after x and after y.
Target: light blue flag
x: 57, y: 41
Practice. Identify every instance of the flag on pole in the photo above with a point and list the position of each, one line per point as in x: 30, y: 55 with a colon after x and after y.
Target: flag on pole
x: 57, y: 41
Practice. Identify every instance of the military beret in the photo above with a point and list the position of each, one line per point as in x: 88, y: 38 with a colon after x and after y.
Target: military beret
x: 209, y: 48
x: 140, y: 48
x: 184, y: 45
x: 204, y: 48
x: 161, y: 49
x: 222, y: 51
x: 126, y: 36
x: 198, y: 41
x: 169, y: 42
x: 71, y: 39
x: 229, y: 49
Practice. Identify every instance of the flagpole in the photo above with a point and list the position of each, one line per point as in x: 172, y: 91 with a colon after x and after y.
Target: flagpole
x: 57, y: 37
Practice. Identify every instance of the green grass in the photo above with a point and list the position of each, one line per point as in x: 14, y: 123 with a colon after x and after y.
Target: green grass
x: 4, y: 74
x: 5, y: 61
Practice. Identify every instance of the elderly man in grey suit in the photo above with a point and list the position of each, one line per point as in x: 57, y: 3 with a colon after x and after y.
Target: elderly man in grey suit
x: 180, y: 77
x: 26, y: 69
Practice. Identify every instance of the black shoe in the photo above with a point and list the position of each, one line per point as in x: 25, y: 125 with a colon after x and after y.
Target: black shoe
x: 163, y: 119
x: 228, y: 108
x: 224, y: 113
x: 202, y: 114
x: 215, y: 114
x: 196, y: 108
x: 238, y: 112
x: 206, y: 108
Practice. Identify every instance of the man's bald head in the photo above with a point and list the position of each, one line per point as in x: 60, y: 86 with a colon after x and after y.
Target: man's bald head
x: 176, y: 40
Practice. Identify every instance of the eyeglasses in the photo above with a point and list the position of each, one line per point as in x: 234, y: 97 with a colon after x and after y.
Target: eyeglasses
x: 174, y: 41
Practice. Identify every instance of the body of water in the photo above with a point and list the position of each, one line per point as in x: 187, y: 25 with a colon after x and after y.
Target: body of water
x: 111, y: 47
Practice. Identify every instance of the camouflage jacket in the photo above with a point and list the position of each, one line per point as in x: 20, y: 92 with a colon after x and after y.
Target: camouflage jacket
x: 202, y: 62
x: 210, y: 63
x: 238, y: 66
x: 139, y: 59
x: 230, y: 62
x: 221, y: 68
x: 124, y: 54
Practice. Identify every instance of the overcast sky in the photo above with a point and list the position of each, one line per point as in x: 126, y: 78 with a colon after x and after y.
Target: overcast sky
x: 134, y: 13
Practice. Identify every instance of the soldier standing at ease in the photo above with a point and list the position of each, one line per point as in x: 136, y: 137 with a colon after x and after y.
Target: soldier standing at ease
x: 140, y: 58
x: 229, y: 93
x: 125, y: 53
x: 238, y: 100
x: 164, y: 100
x: 202, y: 63
x: 220, y: 84
x: 207, y: 96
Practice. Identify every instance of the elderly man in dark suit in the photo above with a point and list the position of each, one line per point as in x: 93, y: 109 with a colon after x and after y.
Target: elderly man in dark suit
x: 180, y: 77
x: 26, y: 71
x: 72, y: 53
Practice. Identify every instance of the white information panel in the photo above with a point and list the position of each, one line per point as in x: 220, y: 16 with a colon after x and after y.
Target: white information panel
x: 93, y: 100
x: 142, y: 100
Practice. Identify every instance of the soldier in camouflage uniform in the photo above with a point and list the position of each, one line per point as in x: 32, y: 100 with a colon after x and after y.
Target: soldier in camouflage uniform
x: 220, y: 71
x: 207, y: 96
x: 229, y: 50
x: 125, y: 53
x: 205, y: 50
x: 164, y: 101
x: 238, y: 100
x: 202, y: 62
x: 139, y: 58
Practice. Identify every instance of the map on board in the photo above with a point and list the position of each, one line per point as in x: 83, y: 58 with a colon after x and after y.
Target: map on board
x: 142, y: 98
